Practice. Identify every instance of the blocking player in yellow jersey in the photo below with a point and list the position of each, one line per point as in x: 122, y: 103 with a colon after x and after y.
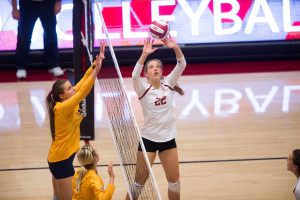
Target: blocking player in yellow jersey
x: 65, y: 118
x: 86, y: 183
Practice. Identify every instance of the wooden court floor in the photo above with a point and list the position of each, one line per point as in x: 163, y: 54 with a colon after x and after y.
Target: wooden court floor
x: 235, y: 132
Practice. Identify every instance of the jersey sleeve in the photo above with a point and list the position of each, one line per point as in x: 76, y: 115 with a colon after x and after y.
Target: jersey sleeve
x: 84, y: 78
x: 174, y: 76
x: 98, y: 189
x: 68, y: 105
x: 137, y: 81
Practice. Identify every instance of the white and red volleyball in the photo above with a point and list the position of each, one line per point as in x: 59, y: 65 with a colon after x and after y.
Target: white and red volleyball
x: 159, y: 29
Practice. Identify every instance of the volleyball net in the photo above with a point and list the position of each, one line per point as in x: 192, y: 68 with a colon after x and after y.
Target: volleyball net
x: 122, y: 123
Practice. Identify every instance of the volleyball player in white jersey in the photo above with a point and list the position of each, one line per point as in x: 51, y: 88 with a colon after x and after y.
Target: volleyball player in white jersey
x: 159, y: 129
x: 293, y: 165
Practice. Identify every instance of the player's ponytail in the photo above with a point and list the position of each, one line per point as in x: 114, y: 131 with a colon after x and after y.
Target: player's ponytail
x: 51, y: 99
x: 85, y: 157
x: 179, y: 90
x: 82, y: 173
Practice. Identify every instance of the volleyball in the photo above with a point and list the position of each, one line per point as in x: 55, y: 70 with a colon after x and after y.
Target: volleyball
x: 159, y: 29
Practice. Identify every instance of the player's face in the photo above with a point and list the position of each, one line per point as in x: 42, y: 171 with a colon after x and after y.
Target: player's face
x: 69, y: 91
x: 154, y: 71
x: 289, y: 162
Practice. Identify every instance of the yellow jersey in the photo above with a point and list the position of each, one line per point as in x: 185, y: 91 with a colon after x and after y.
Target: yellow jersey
x: 91, y: 187
x: 67, y: 119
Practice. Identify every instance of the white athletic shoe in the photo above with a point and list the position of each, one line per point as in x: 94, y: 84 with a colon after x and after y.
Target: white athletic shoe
x: 56, y: 71
x: 21, y: 73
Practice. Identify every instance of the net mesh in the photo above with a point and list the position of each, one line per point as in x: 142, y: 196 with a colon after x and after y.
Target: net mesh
x: 135, y: 166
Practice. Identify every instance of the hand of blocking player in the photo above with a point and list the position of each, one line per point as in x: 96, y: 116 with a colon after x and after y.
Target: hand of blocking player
x: 102, y: 50
x: 98, y: 63
x: 101, y: 56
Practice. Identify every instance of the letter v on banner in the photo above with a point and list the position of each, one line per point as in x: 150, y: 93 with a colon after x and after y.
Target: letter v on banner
x: 81, y: 61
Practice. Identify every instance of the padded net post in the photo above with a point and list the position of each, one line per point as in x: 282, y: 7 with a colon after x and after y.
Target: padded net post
x: 83, y: 24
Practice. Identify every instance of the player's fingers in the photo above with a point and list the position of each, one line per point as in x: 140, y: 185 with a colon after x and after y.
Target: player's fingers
x: 152, y: 41
x: 110, y: 166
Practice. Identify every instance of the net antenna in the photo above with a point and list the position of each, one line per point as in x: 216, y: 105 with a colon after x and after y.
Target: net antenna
x: 87, y: 43
x: 121, y: 120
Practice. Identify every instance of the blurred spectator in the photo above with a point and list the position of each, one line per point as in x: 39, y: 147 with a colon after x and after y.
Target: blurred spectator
x: 27, y: 14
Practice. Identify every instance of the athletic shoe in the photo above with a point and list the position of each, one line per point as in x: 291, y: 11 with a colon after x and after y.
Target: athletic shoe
x: 56, y: 71
x: 21, y: 73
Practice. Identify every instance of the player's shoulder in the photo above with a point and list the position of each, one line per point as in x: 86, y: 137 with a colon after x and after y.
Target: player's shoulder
x: 57, y: 106
x: 166, y: 80
x: 91, y: 173
x: 146, y: 85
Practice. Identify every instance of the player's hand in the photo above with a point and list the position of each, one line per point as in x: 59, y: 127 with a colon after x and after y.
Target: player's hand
x: 101, y: 55
x: 98, y: 63
x: 16, y: 14
x: 102, y: 49
x: 170, y: 42
x: 110, y: 170
x: 57, y: 7
x: 148, y: 49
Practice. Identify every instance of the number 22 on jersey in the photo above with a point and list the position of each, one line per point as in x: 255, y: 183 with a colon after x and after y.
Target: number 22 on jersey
x: 160, y: 101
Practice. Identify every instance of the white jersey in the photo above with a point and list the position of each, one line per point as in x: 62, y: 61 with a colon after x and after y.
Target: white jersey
x: 159, y: 122
x: 297, y: 190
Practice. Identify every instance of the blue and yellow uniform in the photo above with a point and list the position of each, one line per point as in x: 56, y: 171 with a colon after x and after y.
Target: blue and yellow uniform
x: 68, y: 117
x: 91, y: 187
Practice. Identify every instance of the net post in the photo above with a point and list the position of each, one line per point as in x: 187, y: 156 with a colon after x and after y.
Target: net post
x: 81, y: 61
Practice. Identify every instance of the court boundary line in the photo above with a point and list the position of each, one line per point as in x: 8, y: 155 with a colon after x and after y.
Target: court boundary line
x: 158, y: 163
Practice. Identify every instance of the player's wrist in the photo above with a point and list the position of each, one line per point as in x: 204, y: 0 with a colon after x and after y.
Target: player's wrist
x: 145, y: 55
x: 176, y: 46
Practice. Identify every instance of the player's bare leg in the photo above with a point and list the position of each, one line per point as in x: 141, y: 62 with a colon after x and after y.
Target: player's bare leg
x: 55, y: 191
x: 169, y: 161
x: 142, y: 173
x: 64, y: 187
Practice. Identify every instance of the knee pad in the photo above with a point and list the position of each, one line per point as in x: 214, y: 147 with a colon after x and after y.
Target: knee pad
x: 136, y: 190
x: 174, y: 187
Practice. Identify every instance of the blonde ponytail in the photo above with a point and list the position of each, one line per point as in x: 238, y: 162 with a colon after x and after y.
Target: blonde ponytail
x: 82, y: 173
x: 85, y: 157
